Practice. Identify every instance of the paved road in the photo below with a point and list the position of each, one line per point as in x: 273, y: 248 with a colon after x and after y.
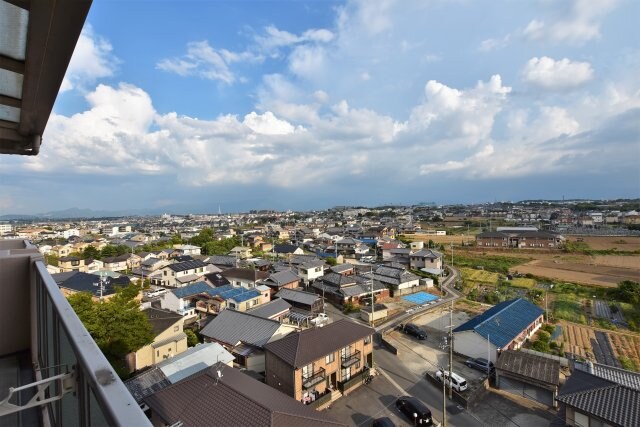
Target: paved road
x: 377, y: 399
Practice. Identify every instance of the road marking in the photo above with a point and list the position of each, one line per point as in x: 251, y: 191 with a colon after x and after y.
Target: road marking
x: 395, y: 384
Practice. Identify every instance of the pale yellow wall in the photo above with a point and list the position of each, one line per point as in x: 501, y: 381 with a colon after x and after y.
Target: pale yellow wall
x: 148, y: 355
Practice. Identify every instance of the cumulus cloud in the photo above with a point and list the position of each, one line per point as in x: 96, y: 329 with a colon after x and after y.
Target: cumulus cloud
x: 92, y: 59
x: 550, y: 74
x: 459, y: 115
x: 206, y: 62
x: 581, y: 23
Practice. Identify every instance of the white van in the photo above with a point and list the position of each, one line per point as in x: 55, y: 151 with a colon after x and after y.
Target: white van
x: 156, y: 293
x: 457, y: 382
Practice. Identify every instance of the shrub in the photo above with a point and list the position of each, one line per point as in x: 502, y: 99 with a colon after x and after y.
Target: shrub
x: 549, y: 328
x: 541, y: 346
x: 544, y: 336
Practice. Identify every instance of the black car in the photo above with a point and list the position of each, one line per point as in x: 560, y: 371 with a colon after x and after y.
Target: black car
x: 480, y: 364
x: 414, y: 330
x: 416, y: 411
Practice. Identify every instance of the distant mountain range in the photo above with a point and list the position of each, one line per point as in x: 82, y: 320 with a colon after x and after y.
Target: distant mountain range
x: 74, y: 213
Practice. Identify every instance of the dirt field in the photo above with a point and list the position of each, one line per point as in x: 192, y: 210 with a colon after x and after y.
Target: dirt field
x: 621, y: 243
x: 605, y: 347
x: 599, y: 275
x: 617, y: 261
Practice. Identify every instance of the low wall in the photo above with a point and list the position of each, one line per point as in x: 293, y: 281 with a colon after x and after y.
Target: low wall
x: 466, y: 399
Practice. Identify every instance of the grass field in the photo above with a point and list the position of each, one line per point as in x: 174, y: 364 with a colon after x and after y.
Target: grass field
x: 479, y: 275
x: 569, y: 307
x: 522, y: 282
x: 494, y: 263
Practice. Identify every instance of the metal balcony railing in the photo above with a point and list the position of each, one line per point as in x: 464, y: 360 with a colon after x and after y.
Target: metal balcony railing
x: 350, y: 359
x: 317, y: 377
x: 75, y: 383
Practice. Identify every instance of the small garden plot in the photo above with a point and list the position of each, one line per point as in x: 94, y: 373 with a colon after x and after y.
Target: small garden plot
x: 569, y: 308
x: 522, y: 282
x: 481, y: 276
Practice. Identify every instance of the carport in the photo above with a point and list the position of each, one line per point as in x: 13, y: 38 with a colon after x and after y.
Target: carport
x: 528, y: 375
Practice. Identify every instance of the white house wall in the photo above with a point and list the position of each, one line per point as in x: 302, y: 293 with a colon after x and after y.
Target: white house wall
x: 472, y: 344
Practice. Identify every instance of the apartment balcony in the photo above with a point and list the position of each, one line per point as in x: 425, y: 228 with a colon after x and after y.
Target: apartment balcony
x: 52, y: 373
x: 350, y: 359
x: 314, y: 379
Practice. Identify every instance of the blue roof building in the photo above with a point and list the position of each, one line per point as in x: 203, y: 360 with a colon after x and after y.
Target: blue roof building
x: 504, y: 326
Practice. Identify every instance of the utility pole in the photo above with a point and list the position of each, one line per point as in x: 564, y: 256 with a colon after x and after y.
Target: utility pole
x: 450, y: 347
x: 444, y: 400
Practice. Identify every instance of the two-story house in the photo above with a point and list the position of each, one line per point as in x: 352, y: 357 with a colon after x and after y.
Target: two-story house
x: 72, y: 263
x: 308, y: 365
x: 426, y: 258
x: 180, y: 274
x: 169, y: 339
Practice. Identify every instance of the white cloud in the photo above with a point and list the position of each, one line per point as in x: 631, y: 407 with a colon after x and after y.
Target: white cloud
x: 551, y: 74
x: 580, y: 24
x: 466, y: 116
x: 307, y: 60
x: 92, y: 59
x: 275, y: 38
x: 267, y: 124
x: 204, y: 61
x: 489, y: 45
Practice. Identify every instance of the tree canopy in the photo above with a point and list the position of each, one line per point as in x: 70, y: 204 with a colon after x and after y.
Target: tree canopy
x: 117, y: 325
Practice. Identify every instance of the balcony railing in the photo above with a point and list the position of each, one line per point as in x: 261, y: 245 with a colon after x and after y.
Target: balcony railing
x: 322, y: 400
x: 311, y: 380
x: 60, y: 347
x: 350, y: 359
x: 356, y: 379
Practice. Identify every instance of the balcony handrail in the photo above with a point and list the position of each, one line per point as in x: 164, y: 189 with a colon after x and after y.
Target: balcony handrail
x: 351, y: 356
x: 118, y: 405
x: 316, y: 373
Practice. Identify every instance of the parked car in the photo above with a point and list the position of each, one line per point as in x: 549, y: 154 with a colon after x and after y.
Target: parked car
x: 416, y: 412
x: 456, y: 382
x: 480, y: 364
x: 414, y: 330
x: 383, y: 422
x: 320, y: 320
x: 156, y: 293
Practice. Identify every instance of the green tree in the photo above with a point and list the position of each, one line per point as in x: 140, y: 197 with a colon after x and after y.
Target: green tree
x: 628, y: 291
x: 90, y: 252
x: 192, y: 338
x: 331, y: 261
x: 117, y: 325
x: 51, y: 259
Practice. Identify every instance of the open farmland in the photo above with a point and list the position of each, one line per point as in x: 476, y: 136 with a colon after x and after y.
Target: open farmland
x: 604, y: 346
x: 578, y: 272
x: 619, y: 243
x: 479, y: 275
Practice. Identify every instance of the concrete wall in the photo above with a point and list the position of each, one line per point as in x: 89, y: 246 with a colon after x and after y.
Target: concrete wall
x: 16, y: 274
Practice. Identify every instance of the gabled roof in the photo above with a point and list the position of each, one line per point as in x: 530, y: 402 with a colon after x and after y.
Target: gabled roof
x: 232, y: 399
x: 160, y: 319
x: 233, y: 327
x: 284, y: 249
x: 528, y: 365
x: 302, y: 297
x: 244, y: 274
x: 614, y: 403
x: 427, y: 253
x: 338, y: 280
x: 611, y: 373
x: 503, y: 322
x: 302, y: 348
x: 282, y: 278
x: 271, y: 309
x: 186, y: 265
x: 222, y: 260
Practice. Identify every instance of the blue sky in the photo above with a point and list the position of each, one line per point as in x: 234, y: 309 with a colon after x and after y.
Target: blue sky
x: 184, y: 106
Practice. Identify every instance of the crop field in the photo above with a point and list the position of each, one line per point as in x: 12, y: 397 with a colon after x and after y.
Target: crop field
x: 522, y: 282
x: 619, y: 243
x: 479, y: 275
x: 588, y: 273
x: 441, y: 240
x: 610, y: 348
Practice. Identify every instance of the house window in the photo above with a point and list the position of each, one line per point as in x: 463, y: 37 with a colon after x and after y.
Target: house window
x: 329, y: 358
x: 346, y: 373
x: 165, y: 272
x: 158, y: 353
x: 307, y: 370
x: 367, y: 339
x: 176, y: 328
